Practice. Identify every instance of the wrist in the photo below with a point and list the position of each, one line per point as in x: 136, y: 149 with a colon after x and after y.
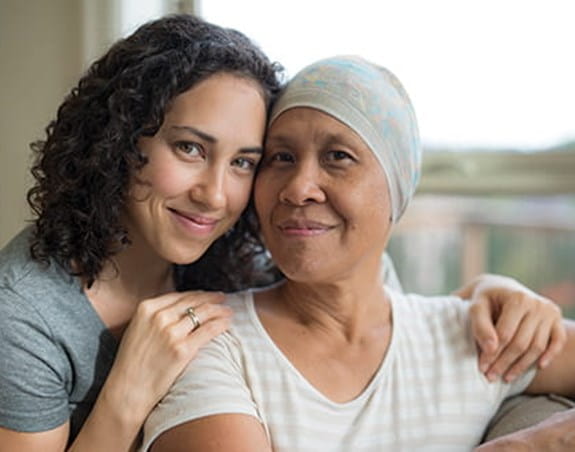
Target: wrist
x: 126, y: 403
x: 112, y: 425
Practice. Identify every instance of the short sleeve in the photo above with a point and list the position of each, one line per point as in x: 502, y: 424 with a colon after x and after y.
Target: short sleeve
x: 213, y: 383
x: 33, y: 394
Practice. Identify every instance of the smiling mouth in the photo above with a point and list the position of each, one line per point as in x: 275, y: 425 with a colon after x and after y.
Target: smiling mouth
x: 304, y: 228
x: 194, y: 224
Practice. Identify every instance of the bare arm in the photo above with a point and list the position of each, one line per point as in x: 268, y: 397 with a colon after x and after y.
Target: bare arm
x: 45, y: 441
x: 559, y: 376
x: 220, y: 433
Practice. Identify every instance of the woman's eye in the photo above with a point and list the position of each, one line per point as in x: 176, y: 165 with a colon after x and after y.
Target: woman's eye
x: 334, y: 156
x: 190, y: 148
x: 245, y: 163
x: 280, y: 156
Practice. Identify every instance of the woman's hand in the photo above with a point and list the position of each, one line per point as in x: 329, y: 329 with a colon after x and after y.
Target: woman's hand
x: 159, y: 342
x: 513, y: 326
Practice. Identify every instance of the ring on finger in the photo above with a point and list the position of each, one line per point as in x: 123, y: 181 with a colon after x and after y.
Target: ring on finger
x: 191, y: 313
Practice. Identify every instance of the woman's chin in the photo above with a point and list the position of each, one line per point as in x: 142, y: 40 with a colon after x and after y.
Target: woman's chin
x: 181, y: 256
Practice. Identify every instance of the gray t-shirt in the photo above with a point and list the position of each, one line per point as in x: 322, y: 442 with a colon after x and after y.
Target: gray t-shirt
x: 55, y: 351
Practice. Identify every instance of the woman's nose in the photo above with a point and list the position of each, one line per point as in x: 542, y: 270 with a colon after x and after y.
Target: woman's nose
x: 209, y: 189
x: 303, y: 186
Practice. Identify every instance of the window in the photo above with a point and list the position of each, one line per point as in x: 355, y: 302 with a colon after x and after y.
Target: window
x: 492, y: 83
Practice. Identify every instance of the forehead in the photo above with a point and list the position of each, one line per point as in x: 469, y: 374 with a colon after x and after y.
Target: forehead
x: 227, y: 107
x: 308, y: 130
x: 307, y: 123
x: 220, y: 89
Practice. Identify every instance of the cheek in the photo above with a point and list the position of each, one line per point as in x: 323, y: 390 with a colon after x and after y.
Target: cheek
x: 165, y: 180
x: 377, y: 216
x: 367, y: 206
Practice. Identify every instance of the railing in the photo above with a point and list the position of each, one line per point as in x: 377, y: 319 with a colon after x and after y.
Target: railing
x: 444, y: 241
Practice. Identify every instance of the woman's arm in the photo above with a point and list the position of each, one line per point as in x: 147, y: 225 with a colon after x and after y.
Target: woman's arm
x: 50, y: 440
x: 156, y: 347
x: 219, y: 433
x: 559, y: 376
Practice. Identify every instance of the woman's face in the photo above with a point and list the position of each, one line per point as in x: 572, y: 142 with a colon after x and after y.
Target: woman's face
x: 200, y: 169
x: 321, y: 198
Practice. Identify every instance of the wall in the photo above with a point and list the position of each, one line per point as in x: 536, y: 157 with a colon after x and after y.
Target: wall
x: 41, y: 57
x: 44, y: 47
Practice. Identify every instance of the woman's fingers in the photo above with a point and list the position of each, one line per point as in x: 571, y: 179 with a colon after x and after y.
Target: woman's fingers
x: 524, y: 348
x: 555, y: 345
x: 167, y: 309
x: 512, y: 315
x: 484, y: 333
x: 528, y: 327
x: 206, y: 332
x: 537, y: 338
x: 205, y: 313
x: 531, y: 355
x: 178, y: 329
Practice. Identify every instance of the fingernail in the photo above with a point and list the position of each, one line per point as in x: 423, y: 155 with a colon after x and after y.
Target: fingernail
x: 483, y: 367
x: 492, y: 376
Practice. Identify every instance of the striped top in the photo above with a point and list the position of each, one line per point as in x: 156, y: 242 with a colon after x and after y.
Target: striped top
x: 428, y: 393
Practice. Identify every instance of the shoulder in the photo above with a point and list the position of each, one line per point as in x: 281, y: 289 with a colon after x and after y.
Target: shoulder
x: 37, y: 303
x: 23, y: 276
x: 429, y: 309
x: 244, y: 316
x: 15, y: 261
x: 440, y: 322
x: 239, y: 301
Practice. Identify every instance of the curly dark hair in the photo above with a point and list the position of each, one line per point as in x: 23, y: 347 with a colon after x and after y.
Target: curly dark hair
x: 83, y: 168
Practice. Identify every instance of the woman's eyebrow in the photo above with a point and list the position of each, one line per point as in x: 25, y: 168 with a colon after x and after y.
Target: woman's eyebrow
x: 281, y: 139
x: 211, y: 139
x: 203, y: 135
x: 252, y: 150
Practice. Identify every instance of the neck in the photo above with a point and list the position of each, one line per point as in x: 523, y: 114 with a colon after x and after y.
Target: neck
x: 134, y: 274
x: 348, y: 308
x: 131, y: 276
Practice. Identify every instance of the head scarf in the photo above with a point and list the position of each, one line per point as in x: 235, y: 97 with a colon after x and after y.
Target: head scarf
x: 371, y: 101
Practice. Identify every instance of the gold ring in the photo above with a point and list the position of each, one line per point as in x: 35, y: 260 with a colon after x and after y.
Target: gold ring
x: 191, y: 313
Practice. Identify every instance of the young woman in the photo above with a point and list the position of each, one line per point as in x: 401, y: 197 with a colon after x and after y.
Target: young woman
x: 141, y: 191
x: 149, y: 162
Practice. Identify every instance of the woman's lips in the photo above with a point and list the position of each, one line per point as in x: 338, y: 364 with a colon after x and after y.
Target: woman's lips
x: 304, y: 228
x: 194, y: 224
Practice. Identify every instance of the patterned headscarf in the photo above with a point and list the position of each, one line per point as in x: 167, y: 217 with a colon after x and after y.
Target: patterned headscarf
x: 371, y: 101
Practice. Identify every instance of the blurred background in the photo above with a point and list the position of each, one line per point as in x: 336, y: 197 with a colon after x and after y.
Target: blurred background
x: 491, y: 81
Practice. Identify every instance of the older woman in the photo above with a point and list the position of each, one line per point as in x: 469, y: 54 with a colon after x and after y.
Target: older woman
x: 330, y: 359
